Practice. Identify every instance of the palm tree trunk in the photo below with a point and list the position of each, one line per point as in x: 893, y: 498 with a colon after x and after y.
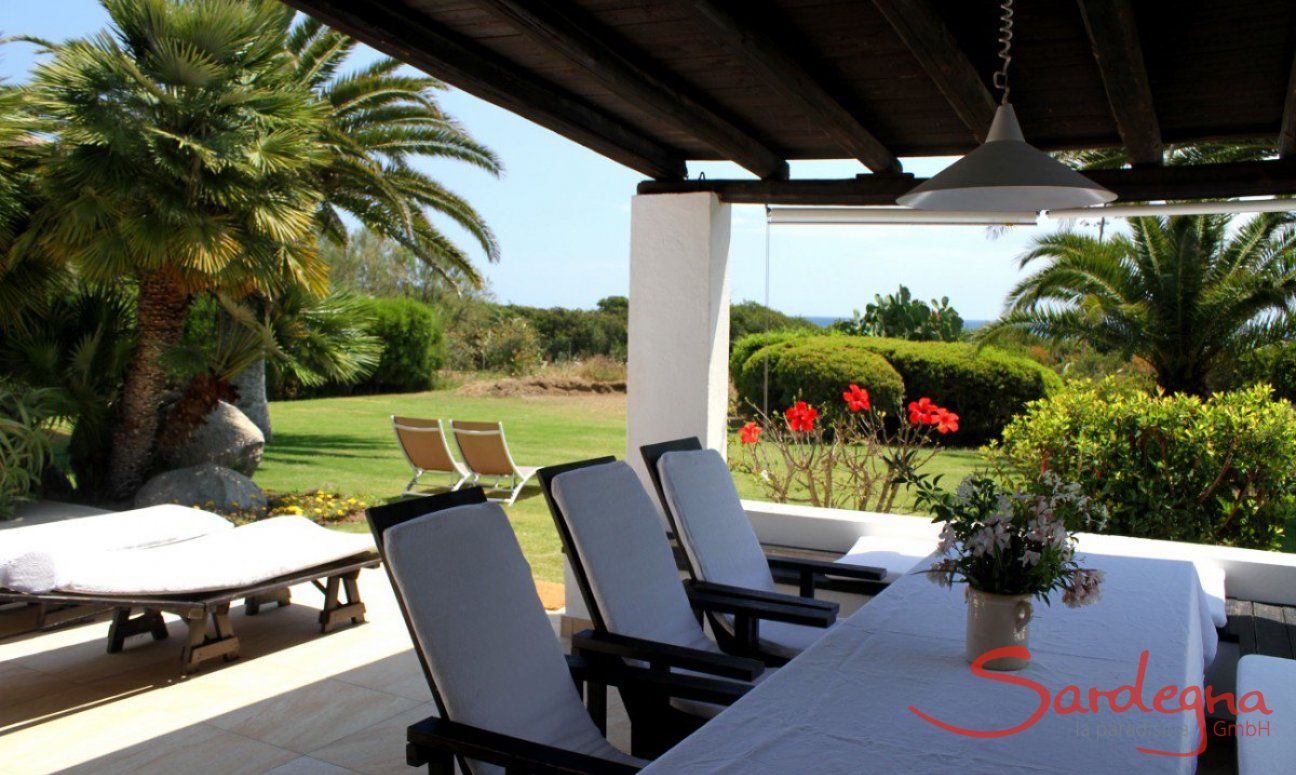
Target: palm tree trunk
x: 251, y: 384
x: 160, y: 314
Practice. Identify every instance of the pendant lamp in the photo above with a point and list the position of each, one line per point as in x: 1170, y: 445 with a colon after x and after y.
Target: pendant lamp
x: 1006, y: 173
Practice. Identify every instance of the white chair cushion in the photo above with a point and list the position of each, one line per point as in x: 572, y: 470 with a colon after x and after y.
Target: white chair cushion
x: 622, y: 547
x: 896, y: 554
x: 133, y: 529
x: 1274, y: 749
x: 227, y: 559
x: 713, y: 527
x: 479, y: 623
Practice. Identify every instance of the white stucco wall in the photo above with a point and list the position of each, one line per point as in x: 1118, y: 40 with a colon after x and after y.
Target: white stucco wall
x: 678, y: 375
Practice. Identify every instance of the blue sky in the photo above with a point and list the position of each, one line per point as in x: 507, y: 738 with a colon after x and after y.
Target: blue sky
x: 562, y: 214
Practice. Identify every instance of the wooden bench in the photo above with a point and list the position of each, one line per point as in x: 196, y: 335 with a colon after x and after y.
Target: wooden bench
x: 1261, y: 628
x: 206, y: 643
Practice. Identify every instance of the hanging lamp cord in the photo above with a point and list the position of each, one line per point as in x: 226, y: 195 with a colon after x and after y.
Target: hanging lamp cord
x: 1005, y: 48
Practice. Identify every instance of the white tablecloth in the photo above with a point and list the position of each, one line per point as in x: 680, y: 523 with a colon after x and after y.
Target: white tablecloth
x: 844, y: 704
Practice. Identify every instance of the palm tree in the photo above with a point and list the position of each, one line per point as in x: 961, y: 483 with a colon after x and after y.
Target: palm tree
x: 380, y: 120
x: 1187, y: 294
x: 187, y: 159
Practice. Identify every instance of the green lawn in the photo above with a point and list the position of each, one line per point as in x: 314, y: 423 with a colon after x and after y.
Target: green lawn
x: 346, y: 445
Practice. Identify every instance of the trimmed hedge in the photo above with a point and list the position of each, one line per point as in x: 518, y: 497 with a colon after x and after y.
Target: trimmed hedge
x: 413, y: 346
x: 1217, y: 471
x: 817, y: 370
x: 985, y: 387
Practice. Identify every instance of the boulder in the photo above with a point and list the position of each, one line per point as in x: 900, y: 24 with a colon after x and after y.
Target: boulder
x: 207, y: 486
x: 227, y: 438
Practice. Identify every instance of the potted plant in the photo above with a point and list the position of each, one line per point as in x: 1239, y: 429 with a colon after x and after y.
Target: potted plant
x: 1010, y: 546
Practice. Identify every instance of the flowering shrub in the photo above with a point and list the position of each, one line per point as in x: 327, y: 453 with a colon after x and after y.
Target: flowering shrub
x: 848, y: 456
x: 1215, y: 471
x: 316, y: 505
x: 1007, y: 542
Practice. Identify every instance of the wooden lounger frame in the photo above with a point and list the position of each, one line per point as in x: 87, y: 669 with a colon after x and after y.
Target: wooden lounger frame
x: 218, y: 640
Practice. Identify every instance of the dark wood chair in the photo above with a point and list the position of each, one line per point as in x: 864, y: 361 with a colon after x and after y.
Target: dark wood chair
x: 489, y: 654
x: 640, y: 610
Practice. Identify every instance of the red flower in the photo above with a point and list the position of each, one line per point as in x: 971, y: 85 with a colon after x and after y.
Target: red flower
x: 947, y: 422
x: 801, y: 416
x: 924, y: 412
x: 749, y: 433
x: 856, y: 398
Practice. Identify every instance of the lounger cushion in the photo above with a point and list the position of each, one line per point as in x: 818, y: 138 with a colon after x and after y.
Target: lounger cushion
x: 622, y: 546
x: 1212, y: 581
x: 713, y: 527
x: 1274, y: 749
x: 898, y: 555
x: 493, y: 655
x: 134, y: 529
x: 228, y: 559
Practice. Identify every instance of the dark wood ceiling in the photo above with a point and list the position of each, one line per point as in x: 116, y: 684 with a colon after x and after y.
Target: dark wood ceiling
x: 654, y: 83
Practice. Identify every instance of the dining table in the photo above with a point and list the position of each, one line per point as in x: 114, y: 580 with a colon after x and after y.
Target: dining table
x: 890, y: 690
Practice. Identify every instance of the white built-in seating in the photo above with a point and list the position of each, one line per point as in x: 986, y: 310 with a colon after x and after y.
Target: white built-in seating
x: 897, y: 555
x: 493, y: 655
x: 1267, y: 749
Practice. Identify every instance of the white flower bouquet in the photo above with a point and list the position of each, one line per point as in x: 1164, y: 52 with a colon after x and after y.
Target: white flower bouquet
x: 1006, y: 542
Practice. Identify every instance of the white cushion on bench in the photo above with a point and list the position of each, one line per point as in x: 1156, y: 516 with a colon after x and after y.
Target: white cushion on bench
x: 134, y: 529
x: 1275, y: 751
x: 226, y: 559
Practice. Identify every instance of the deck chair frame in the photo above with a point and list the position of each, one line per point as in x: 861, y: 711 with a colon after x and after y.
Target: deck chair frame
x: 439, y: 742
x: 460, y: 470
x: 512, y: 482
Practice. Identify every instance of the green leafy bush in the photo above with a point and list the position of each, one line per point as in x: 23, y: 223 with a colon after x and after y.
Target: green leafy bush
x: 1274, y: 365
x: 817, y: 370
x: 1217, y: 471
x: 25, y: 448
x: 750, y: 317
x: 413, y: 346
x: 985, y: 387
x: 741, y: 349
x: 512, y: 346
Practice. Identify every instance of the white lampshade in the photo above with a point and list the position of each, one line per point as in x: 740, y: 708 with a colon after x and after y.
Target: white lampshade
x: 1006, y: 174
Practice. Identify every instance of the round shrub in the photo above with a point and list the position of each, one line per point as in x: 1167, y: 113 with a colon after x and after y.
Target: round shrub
x: 817, y: 370
x: 743, y: 348
x: 1217, y: 471
x: 985, y: 387
x: 413, y: 346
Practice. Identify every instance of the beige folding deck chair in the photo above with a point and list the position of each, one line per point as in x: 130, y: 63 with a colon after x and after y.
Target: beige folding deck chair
x: 486, y: 453
x: 425, y: 447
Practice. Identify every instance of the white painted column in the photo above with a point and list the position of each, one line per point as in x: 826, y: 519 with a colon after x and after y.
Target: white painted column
x: 678, y: 381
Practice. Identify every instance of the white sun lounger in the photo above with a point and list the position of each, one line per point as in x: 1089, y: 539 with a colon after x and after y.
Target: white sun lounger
x: 198, y: 578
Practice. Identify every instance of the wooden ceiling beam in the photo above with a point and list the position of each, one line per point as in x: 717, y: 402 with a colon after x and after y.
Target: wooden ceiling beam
x: 401, y: 33
x: 1136, y: 184
x: 564, y: 29
x: 761, y: 52
x: 1287, y: 132
x: 923, y: 31
x: 1114, y: 38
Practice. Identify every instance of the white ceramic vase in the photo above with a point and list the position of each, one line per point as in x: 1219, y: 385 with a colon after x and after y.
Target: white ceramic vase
x: 995, y: 621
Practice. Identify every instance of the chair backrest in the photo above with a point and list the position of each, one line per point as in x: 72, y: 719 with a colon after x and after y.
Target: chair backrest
x: 483, y: 447
x: 651, y: 453
x: 424, y: 443
x: 491, y: 656
x: 710, y: 522
x: 618, y: 540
